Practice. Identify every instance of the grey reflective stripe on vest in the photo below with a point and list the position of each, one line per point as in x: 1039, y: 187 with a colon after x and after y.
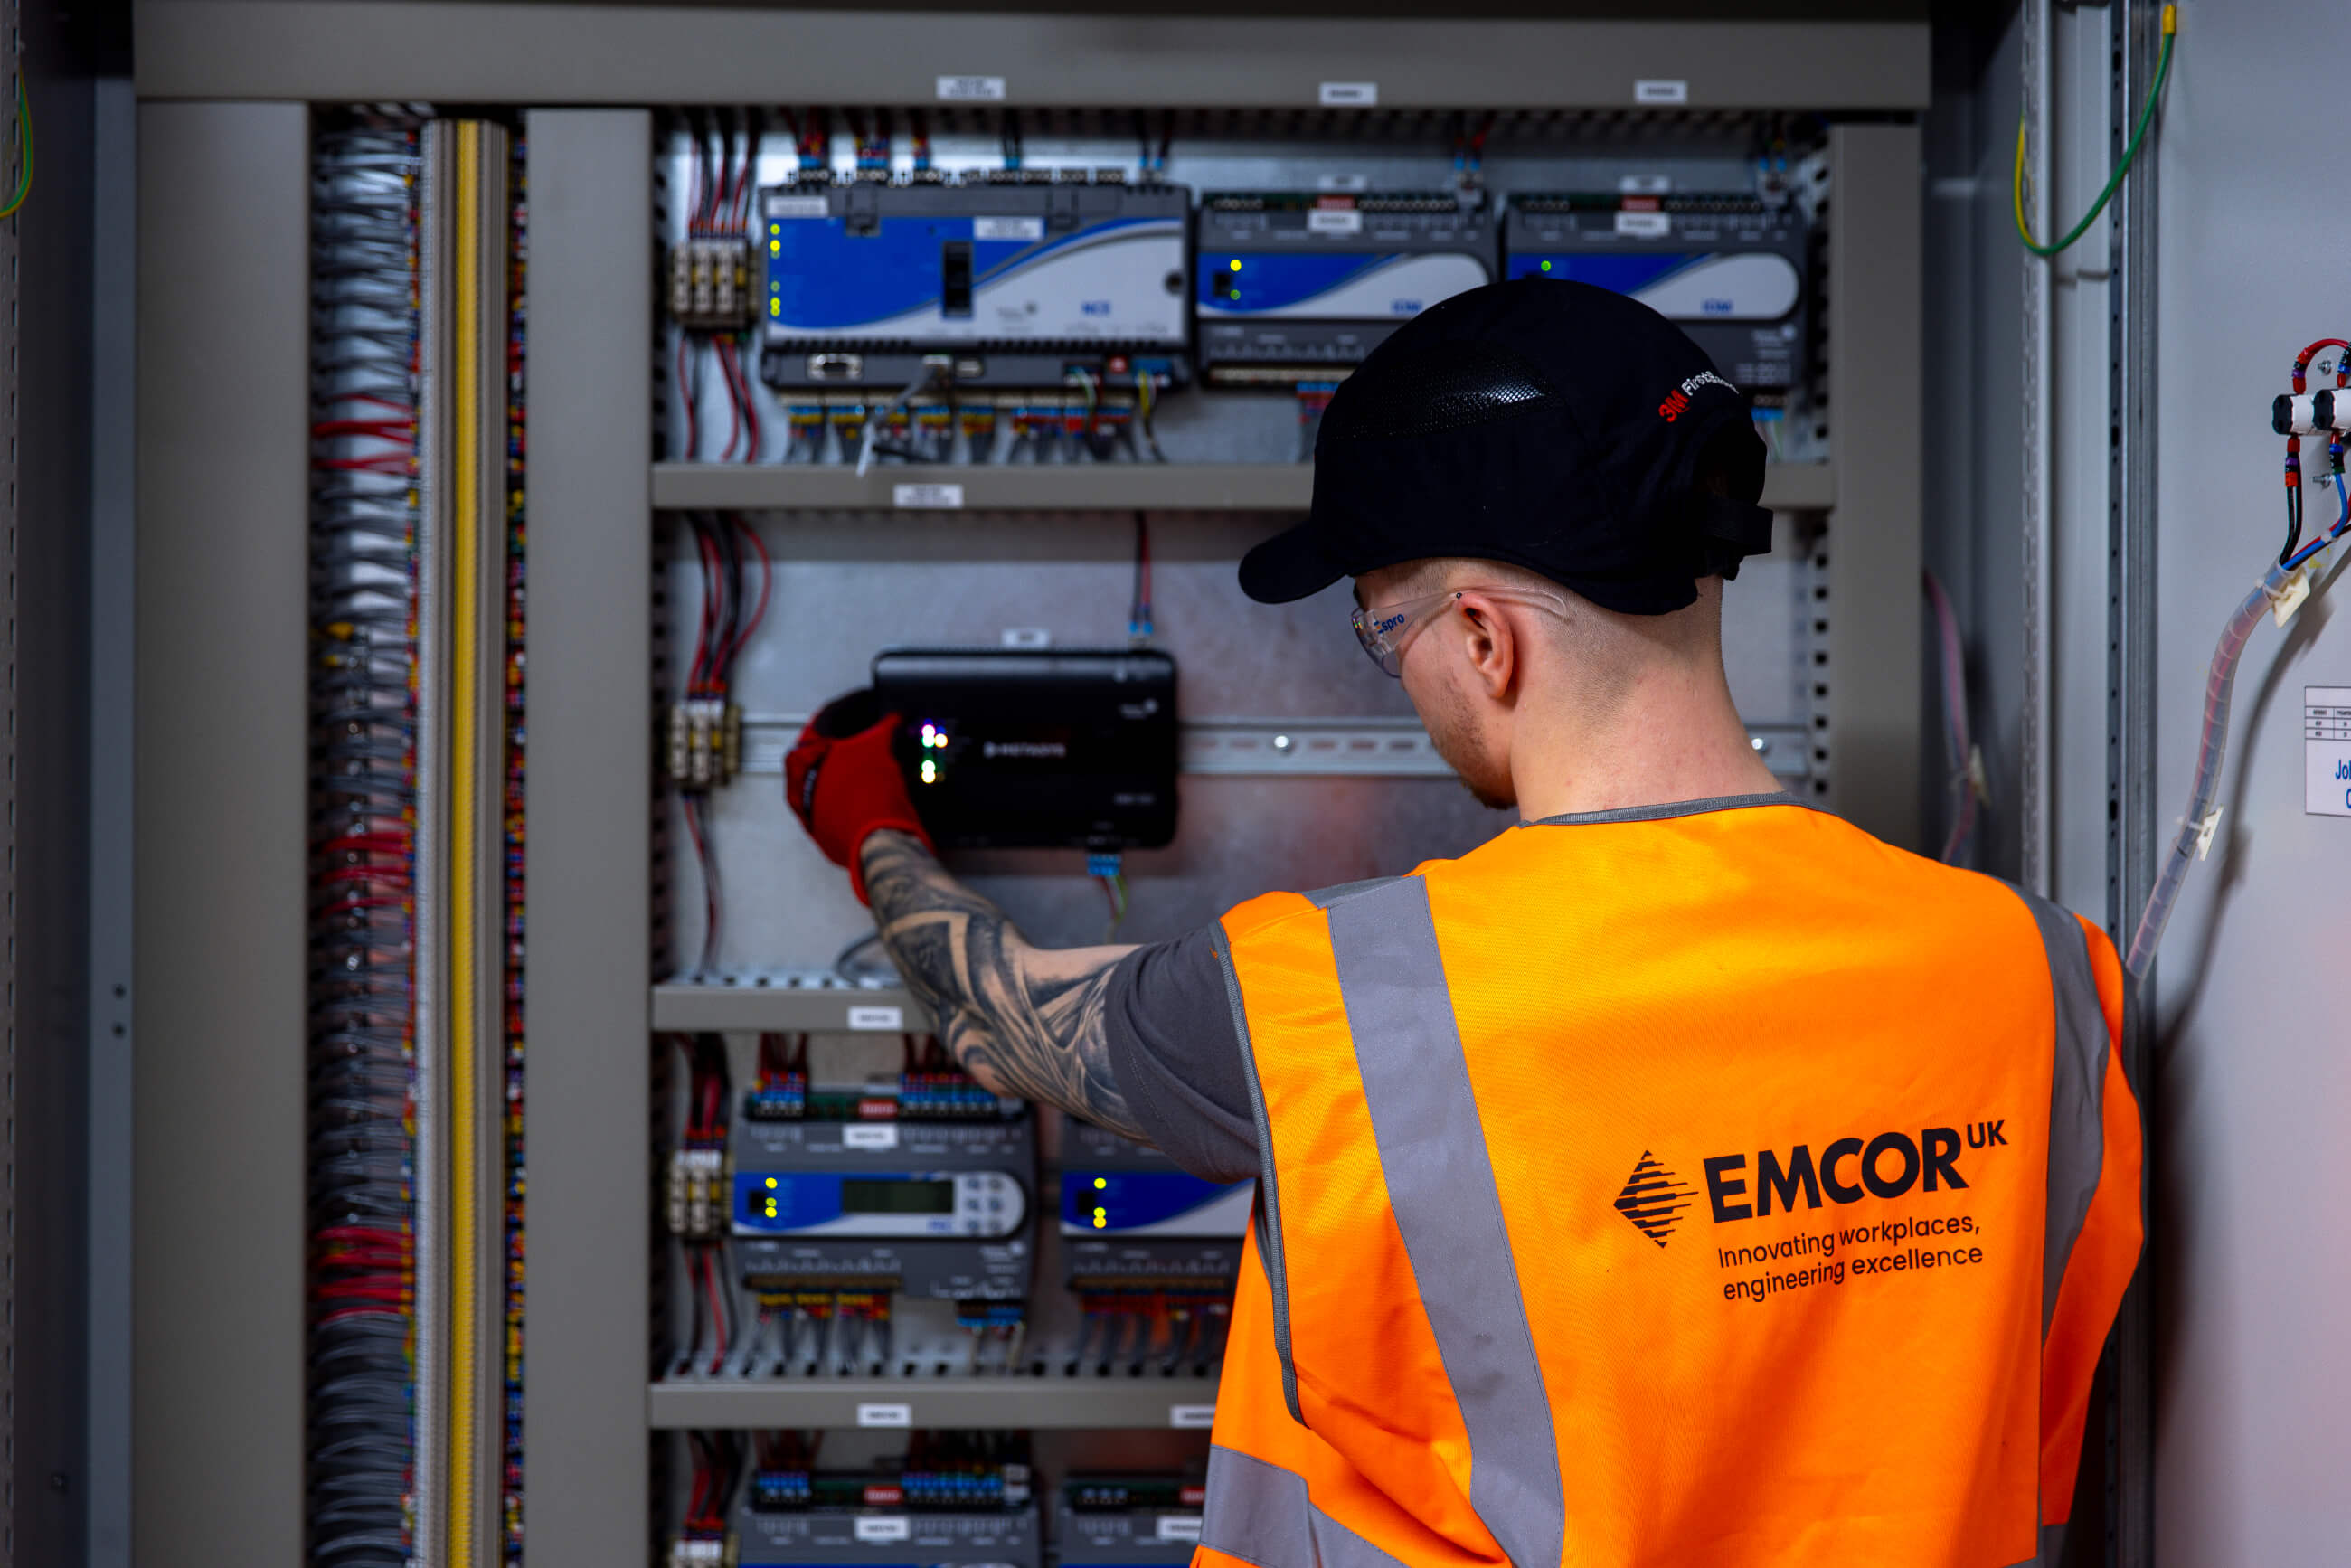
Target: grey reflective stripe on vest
x: 1324, y: 897
x: 1441, y: 1189
x: 2078, y: 1083
x: 1266, y: 1218
x: 1261, y: 1513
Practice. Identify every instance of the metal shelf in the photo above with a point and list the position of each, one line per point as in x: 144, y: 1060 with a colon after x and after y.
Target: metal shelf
x: 787, y: 1001
x: 1072, y: 487
x: 461, y: 51
x: 1095, y: 1403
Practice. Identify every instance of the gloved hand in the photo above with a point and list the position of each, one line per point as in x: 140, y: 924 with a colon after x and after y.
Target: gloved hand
x: 843, y: 783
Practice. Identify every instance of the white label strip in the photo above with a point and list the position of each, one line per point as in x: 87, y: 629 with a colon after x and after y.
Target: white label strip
x: 2326, y: 751
x: 888, y: 1019
x: 1335, y: 221
x: 885, y: 1527
x: 1191, y: 1417
x: 1343, y: 181
x: 1349, y: 94
x: 1658, y: 89
x: 971, y: 89
x: 795, y: 206
x: 1008, y: 228
x: 871, y: 1136
x: 933, y: 498
x: 1643, y: 225
x: 1179, y: 1527
x: 885, y: 1415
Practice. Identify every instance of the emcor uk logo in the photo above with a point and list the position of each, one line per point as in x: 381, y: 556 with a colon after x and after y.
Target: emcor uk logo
x: 1847, y: 1170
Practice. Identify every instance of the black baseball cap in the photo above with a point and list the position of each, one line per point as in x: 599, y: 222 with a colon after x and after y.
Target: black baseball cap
x: 1553, y: 426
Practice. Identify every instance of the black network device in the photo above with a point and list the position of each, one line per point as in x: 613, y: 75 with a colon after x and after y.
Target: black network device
x: 1012, y: 749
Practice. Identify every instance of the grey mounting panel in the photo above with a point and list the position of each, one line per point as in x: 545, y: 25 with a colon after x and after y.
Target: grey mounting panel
x: 587, y: 1112
x: 367, y: 50
x: 221, y: 816
x: 1875, y: 543
x: 1098, y: 486
x: 1094, y: 1404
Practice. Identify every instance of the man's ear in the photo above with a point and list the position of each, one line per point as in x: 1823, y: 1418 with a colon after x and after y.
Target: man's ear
x: 1492, y: 644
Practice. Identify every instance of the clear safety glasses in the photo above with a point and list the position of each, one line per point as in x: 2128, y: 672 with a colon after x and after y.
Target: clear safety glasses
x: 1385, y: 630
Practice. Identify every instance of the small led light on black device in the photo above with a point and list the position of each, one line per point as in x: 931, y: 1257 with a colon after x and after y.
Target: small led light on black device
x: 1021, y: 748
x: 954, y: 277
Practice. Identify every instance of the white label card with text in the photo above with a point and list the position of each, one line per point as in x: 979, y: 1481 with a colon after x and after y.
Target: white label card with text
x: 889, y: 1021
x: 885, y: 1527
x: 971, y: 89
x: 2326, y: 751
x: 936, y: 498
x: 885, y: 1415
x: 1350, y: 95
x: 1191, y: 1417
x: 1658, y: 89
x: 869, y: 1136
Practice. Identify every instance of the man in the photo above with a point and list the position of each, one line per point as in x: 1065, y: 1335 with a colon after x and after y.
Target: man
x: 1682, y: 1177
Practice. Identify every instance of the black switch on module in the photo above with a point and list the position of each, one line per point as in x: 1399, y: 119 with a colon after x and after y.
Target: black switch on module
x: 954, y: 277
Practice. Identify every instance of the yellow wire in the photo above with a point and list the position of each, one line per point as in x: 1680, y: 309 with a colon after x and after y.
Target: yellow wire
x: 2114, y: 181
x: 465, y: 764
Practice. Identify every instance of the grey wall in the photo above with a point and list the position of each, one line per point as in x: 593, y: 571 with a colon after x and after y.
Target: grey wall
x: 2253, y: 1074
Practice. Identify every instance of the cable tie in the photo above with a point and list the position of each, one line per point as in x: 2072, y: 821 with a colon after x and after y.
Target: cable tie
x: 2205, y: 830
x: 1978, y: 779
x: 2287, y: 598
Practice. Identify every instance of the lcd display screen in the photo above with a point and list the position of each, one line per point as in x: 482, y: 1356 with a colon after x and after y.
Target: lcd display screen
x: 897, y: 1198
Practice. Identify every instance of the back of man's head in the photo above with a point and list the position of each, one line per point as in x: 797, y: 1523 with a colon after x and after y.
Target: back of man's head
x: 1548, y: 425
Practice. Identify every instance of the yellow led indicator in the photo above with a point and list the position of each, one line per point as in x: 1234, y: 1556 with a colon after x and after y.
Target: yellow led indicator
x: 930, y: 771
x: 1236, y: 263
x: 1101, y: 1220
x: 771, y: 1181
x: 775, y: 307
x: 775, y: 248
x: 1100, y: 1181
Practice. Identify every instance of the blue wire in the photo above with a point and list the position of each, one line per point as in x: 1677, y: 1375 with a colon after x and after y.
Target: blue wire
x: 2331, y: 535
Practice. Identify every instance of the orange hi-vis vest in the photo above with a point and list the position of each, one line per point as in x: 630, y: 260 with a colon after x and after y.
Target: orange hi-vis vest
x: 1705, y: 1185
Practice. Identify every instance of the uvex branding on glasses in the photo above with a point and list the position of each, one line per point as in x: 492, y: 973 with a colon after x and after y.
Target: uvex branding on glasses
x: 1018, y: 748
x: 1554, y: 425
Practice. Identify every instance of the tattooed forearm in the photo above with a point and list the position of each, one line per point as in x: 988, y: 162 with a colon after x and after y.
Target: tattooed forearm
x: 1024, y: 1020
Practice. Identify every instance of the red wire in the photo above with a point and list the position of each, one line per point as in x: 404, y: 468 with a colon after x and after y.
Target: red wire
x: 709, y: 883
x: 718, y: 1313
x: 2302, y: 361
x: 740, y: 380
x: 733, y: 398
x: 767, y: 582
x: 702, y: 652
x: 701, y: 1484
x: 685, y: 396
x: 713, y: 1097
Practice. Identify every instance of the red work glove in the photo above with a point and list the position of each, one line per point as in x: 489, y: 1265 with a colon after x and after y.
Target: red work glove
x: 841, y: 780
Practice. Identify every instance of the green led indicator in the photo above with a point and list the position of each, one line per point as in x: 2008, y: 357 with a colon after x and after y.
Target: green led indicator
x: 1546, y: 267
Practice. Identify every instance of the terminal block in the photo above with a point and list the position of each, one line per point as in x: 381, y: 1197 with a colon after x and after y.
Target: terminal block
x: 706, y: 742
x: 710, y: 284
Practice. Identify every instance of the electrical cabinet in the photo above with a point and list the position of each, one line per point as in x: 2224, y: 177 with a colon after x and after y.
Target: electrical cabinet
x: 937, y: 408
